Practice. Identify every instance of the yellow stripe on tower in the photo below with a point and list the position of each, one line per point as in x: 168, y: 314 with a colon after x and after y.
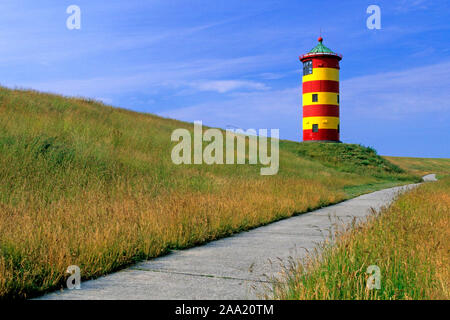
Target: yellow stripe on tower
x: 322, y: 98
x: 323, y: 122
x: 322, y: 74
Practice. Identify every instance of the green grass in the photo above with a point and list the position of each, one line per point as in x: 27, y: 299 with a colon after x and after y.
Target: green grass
x: 408, y: 242
x: 348, y: 158
x: 422, y: 166
x: 87, y: 184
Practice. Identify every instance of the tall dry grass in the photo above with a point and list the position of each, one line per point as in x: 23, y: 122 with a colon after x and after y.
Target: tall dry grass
x: 86, y: 184
x: 422, y: 166
x: 407, y: 241
x: 101, y: 235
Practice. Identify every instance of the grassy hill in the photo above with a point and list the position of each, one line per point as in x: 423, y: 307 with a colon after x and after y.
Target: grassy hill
x: 85, y: 184
x: 422, y: 166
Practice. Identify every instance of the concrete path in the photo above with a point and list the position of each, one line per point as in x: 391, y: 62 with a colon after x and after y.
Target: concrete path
x: 429, y: 177
x: 231, y: 268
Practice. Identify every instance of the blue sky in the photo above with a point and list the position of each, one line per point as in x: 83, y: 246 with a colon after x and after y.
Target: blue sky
x: 235, y: 63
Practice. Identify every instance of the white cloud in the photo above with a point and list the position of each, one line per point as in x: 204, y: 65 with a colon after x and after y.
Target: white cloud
x: 393, y: 95
x: 223, y: 86
x: 108, y: 101
x: 271, y: 109
x: 399, y: 93
x: 152, y: 77
x: 42, y: 42
x: 408, y: 5
x: 272, y: 75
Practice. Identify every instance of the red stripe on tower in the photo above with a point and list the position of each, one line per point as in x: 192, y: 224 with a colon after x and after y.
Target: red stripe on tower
x: 325, y: 62
x: 321, y: 86
x: 321, y: 110
x: 322, y: 134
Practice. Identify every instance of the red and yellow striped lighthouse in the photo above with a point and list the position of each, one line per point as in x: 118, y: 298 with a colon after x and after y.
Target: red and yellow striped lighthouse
x: 321, y: 94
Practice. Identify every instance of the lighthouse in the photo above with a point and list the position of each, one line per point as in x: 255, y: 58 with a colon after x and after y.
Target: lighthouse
x: 321, y: 94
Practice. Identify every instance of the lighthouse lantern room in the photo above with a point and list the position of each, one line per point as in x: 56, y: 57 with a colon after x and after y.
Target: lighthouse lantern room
x: 321, y: 94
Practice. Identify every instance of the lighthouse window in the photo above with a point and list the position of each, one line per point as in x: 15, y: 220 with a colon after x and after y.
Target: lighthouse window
x: 337, y: 98
x: 315, y: 128
x: 307, y: 67
x: 315, y: 97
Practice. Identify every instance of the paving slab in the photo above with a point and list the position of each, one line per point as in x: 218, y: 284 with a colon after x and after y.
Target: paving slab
x: 429, y: 177
x: 237, y: 267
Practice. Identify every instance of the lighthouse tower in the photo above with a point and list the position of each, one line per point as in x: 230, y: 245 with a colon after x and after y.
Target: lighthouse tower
x: 321, y: 94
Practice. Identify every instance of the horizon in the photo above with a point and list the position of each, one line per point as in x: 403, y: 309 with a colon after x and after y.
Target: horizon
x: 236, y: 64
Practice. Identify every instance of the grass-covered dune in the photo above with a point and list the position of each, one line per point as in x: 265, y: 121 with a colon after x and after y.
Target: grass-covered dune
x: 422, y: 166
x: 85, y: 184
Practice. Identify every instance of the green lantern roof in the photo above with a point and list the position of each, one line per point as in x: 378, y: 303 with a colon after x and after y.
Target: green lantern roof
x: 320, y: 48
